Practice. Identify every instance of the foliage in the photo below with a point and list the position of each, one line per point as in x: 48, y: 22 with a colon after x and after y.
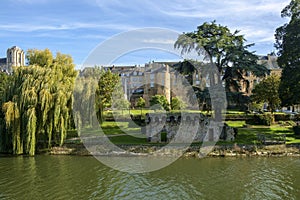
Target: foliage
x: 267, y: 91
x: 161, y: 101
x: 85, y: 104
x: 203, y: 97
x: 42, y: 58
x: 177, y: 104
x: 238, y: 99
x: 141, y: 103
x: 4, y: 83
x: 265, y: 119
x: 38, y: 103
x: 225, y: 49
x: 106, y: 86
x: 119, y: 102
x: 255, y: 106
x: 296, y: 130
x: 288, y: 46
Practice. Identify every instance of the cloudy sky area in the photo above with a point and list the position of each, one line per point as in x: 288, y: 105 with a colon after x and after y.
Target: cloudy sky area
x: 76, y: 27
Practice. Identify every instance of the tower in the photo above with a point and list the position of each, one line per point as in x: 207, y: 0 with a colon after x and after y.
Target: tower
x: 15, y: 57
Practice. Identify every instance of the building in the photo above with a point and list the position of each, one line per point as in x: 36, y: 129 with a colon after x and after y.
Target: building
x: 15, y: 56
x: 165, y: 78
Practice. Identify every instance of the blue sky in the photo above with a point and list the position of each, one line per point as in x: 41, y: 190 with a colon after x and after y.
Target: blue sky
x: 76, y: 27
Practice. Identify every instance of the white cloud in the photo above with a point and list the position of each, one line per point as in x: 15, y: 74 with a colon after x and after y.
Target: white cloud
x: 159, y: 41
x: 221, y: 8
x: 25, y: 27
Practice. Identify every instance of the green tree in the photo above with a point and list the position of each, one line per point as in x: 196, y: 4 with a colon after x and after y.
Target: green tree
x: 288, y: 46
x: 4, y: 83
x: 38, y: 103
x: 42, y: 58
x: 141, y: 103
x: 161, y: 101
x: 267, y: 91
x: 109, y: 85
x: 226, y: 50
x: 177, y: 104
x: 106, y: 86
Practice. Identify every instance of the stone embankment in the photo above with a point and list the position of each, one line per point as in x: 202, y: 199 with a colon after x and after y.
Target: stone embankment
x: 193, y: 151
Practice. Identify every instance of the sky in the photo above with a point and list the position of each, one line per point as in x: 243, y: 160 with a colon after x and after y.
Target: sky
x: 78, y: 27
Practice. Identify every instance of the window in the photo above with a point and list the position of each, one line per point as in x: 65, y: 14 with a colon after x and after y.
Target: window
x: 151, y: 76
x: 152, y: 85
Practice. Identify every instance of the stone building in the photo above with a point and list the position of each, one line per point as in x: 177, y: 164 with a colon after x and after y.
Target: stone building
x: 161, y: 78
x: 250, y: 80
x: 15, y: 56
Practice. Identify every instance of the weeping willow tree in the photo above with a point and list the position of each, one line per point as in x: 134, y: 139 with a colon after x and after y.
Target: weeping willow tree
x: 37, y: 105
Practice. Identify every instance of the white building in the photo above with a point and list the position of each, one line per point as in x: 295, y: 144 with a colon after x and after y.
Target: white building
x: 15, y: 56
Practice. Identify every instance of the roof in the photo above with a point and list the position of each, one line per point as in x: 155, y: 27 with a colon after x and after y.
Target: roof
x: 2, y: 61
x: 269, y: 61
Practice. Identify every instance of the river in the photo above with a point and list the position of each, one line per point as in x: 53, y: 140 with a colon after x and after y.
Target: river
x: 75, y: 177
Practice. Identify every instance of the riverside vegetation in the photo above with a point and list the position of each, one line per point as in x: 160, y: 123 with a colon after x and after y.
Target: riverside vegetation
x: 36, y: 101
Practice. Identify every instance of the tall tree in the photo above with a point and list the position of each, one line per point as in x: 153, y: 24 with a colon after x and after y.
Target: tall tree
x: 288, y: 46
x: 267, y: 92
x: 108, y: 85
x: 141, y: 103
x: 225, y: 49
x: 38, y: 103
x: 4, y: 83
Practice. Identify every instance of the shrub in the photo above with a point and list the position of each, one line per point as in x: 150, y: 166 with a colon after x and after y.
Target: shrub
x: 237, y: 117
x: 282, y: 117
x: 296, y: 130
x: 265, y: 119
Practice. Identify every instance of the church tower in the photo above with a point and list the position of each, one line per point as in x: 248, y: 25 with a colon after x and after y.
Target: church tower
x: 15, y: 57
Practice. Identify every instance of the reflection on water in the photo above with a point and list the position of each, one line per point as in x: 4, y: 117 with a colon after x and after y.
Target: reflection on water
x: 70, y: 177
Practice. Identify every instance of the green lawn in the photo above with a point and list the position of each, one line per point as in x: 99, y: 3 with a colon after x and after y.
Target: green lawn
x: 248, y: 135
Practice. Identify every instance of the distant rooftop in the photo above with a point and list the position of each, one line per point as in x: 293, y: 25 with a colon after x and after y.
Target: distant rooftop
x: 2, y: 61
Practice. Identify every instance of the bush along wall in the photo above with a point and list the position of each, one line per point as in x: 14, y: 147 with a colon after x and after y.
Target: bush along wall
x: 265, y: 119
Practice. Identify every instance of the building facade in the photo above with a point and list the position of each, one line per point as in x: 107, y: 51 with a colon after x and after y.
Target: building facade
x: 15, y: 56
x: 164, y: 78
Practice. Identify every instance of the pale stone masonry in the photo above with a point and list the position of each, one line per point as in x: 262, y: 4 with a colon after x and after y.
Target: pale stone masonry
x: 160, y: 78
x: 15, y: 56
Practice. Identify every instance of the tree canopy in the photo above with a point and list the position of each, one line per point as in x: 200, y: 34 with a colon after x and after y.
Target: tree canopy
x: 288, y: 46
x: 160, y: 101
x: 38, y: 103
x: 107, y: 83
x: 223, y: 48
x: 267, y: 92
x: 177, y: 103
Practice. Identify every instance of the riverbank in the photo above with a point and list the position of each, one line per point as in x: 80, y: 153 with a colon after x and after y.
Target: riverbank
x: 193, y: 151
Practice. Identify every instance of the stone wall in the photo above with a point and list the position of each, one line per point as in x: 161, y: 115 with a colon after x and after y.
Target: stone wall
x: 185, y: 128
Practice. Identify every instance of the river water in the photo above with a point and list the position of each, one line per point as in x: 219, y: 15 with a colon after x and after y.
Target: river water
x: 74, y: 177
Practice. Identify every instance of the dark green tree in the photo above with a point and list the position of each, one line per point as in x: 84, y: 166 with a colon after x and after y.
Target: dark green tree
x: 288, y: 46
x: 267, y: 92
x: 225, y: 49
